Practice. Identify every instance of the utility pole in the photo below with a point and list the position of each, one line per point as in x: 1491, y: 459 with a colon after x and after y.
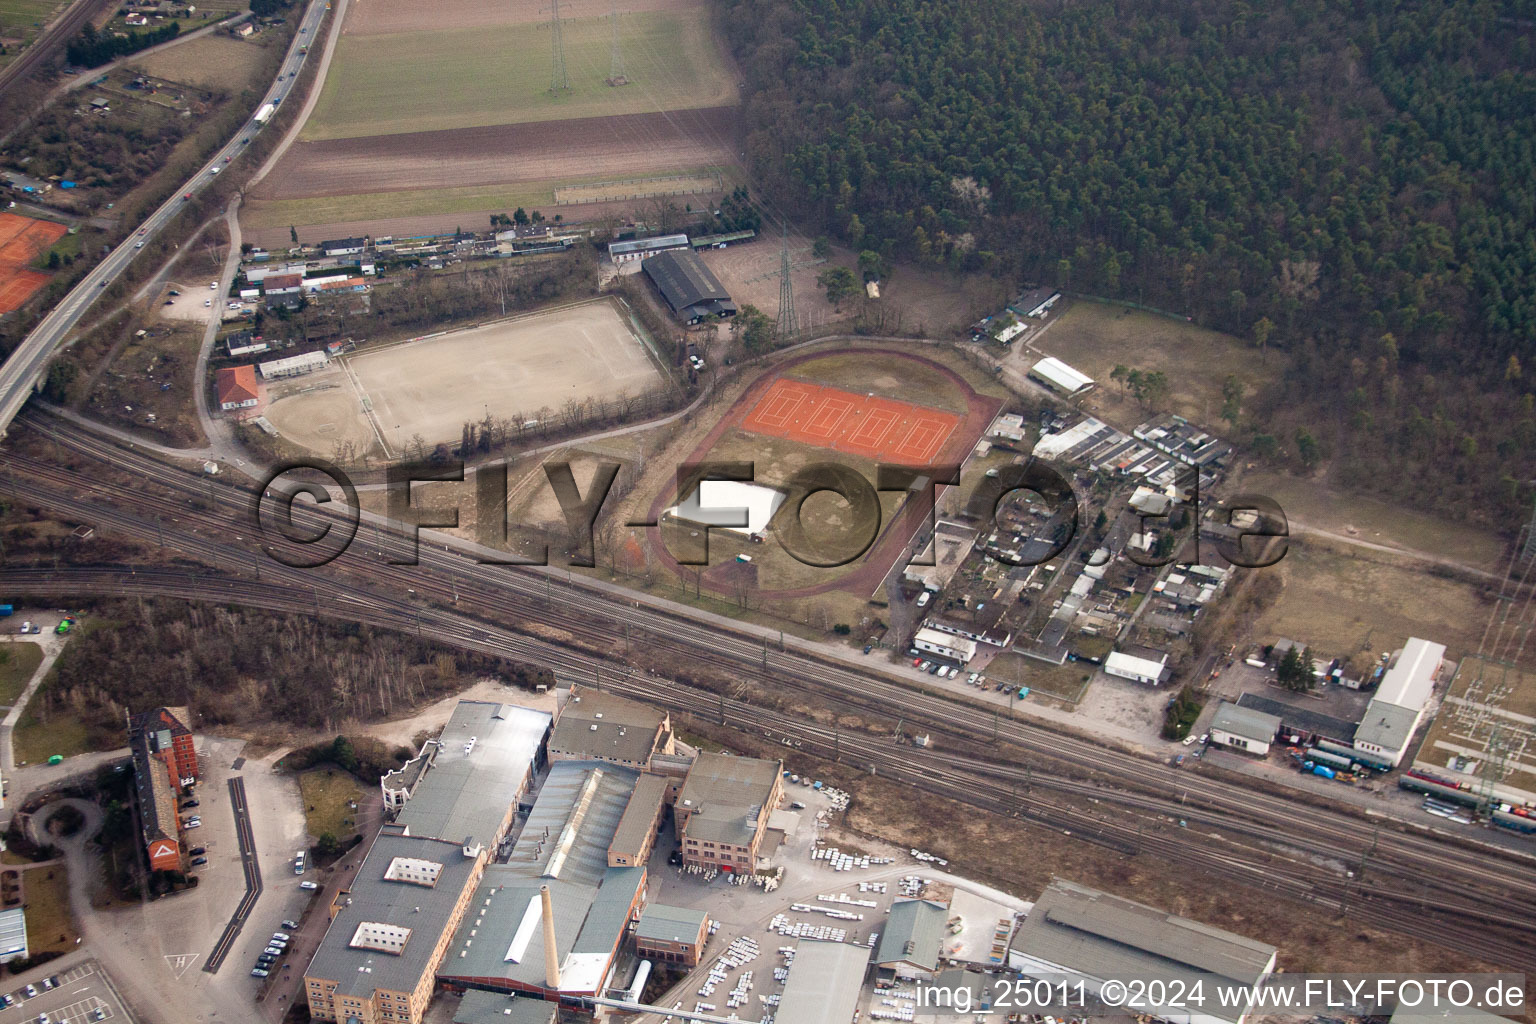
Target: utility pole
x: 558, y: 80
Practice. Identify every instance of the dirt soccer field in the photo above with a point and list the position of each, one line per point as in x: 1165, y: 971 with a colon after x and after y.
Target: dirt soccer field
x: 526, y: 368
x: 22, y: 240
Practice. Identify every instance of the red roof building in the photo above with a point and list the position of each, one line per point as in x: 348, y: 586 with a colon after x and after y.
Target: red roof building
x: 236, y: 387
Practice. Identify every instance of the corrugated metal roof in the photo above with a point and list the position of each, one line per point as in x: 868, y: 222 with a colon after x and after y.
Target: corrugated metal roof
x: 684, y: 280
x: 13, y: 934
x: 913, y: 933
x: 640, y: 814
x: 824, y: 983
x: 1082, y: 931
x: 1058, y: 374
x: 1411, y: 679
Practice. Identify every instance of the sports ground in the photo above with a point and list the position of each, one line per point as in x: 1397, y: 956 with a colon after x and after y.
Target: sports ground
x: 22, y: 240
x: 528, y: 368
x: 878, y: 428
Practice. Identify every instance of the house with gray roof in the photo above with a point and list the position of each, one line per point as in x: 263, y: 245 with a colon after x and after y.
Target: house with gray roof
x: 1096, y: 936
x: 1243, y: 728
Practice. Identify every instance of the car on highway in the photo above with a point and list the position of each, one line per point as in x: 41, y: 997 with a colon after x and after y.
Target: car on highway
x: 226, y: 159
x: 138, y: 245
x: 187, y: 196
x: 308, y: 886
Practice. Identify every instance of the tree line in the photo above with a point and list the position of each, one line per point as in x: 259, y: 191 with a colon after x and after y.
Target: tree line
x: 1354, y: 184
x: 91, y: 48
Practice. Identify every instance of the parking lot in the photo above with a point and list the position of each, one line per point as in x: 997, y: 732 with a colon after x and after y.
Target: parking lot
x: 76, y: 994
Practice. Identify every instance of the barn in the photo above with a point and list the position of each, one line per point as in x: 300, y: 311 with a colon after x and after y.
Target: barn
x: 688, y: 287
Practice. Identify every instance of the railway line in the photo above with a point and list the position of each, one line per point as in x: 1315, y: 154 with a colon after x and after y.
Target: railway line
x: 1472, y: 899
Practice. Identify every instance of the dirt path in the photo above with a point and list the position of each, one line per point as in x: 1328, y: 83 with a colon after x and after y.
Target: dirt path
x: 1300, y: 528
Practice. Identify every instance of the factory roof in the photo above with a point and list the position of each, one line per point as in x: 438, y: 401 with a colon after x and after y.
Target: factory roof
x: 486, y: 753
x: 662, y: 923
x: 824, y: 983
x: 724, y: 796
x: 481, y: 1007
x: 913, y: 934
x: 573, y: 822
x: 1101, y: 936
x: 1248, y: 723
x: 1302, y: 719
x: 1411, y: 679
x: 685, y: 282
x: 1061, y: 376
x: 593, y: 724
x: 403, y: 919
x: 640, y: 814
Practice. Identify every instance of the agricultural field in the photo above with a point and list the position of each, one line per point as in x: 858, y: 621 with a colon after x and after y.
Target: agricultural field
x: 21, y: 21
x: 431, y: 119
x: 527, y: 367
x: 215, y: 62
x: 452, y: 77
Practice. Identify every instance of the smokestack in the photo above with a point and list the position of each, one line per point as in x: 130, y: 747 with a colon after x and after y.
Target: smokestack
x: 551, y: 956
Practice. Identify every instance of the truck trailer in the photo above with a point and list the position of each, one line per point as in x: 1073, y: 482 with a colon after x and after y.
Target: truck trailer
x: 265, y: 113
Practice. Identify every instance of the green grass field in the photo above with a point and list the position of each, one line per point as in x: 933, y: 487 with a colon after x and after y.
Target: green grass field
x: 23, y: 20
x: 466, y: 78
x: 45, y: 894
x: 326, y: 793
x: 366, y: 206
x: 17, y: 663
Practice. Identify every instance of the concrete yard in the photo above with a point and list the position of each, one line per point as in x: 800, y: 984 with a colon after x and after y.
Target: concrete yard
x: 525, y: 368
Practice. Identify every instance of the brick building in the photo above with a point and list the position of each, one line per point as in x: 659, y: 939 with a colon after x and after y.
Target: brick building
x: 672, y: 935
x: 165, y: 765
x: 722, y: 811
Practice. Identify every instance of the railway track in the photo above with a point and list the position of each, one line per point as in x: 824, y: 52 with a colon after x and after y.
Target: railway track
x: 1467, y: 899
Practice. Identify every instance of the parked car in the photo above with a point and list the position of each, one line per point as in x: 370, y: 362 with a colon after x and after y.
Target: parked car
x: 43, y: 1018
x: 53, y: 982
x: 925, y: 666
x: 291, y: 925
x: 196, y: 861
x: 274, y: 950
x: 310, y: 886
x: 30, y: 990
x: 189, y: 804
x: 281, y: 936
x: 259, y: 972
x: 189, y: 826
x: 198, y: 851
x: 7, y: 1000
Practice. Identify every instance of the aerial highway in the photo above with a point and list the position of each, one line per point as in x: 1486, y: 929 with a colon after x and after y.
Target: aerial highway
x: 1443, y: 890
x: 27, y: 365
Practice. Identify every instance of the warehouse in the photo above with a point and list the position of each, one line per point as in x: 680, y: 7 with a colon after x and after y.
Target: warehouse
x: 1095, y: 936
x: 909, y: 944
x: 1244, y: 728
x: 645, y: 248
x: 945, y: 645
x: 1060, y: 377
x: 293, y: 366
x: 1141, y: 666
x: 688, y: 286
x: 824, y: 983
x: 1301, y: 725
x: 1395, y: 712
x: 596, y: 726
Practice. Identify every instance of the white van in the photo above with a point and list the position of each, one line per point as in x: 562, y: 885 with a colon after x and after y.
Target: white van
x: 924, y: 598
x: 298, y: 863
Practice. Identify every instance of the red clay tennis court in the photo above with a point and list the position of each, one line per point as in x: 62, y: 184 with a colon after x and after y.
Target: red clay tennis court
x: 882, y: 429
x: 22, y: 240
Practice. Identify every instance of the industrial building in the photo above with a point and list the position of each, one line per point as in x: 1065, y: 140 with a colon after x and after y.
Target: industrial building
x: 293, y: 366
x: 13, y: 935
x: 673, y: 935
x: 165, y: 765
x: 1092, y: 935
x: 824, y: 983
x: 635, y: 837
x: 944, y: 644
x: 645, y: 248
x: 479, y: 1007
x: 1061, y: 378
x: 1139, y: 666
x: 596, y: 726
x: 690, y: 289
x: 723, y: 808
x: 1244, y: 728
x: 453, y: 804
x: 1395, y: 712
x: 910, y: 942
x: 550, y: 921
x: 236, y: 388
x: 344, y: 246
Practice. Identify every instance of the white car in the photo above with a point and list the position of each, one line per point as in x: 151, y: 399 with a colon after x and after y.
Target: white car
x: 189, y: 826
x: 308, y: 886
